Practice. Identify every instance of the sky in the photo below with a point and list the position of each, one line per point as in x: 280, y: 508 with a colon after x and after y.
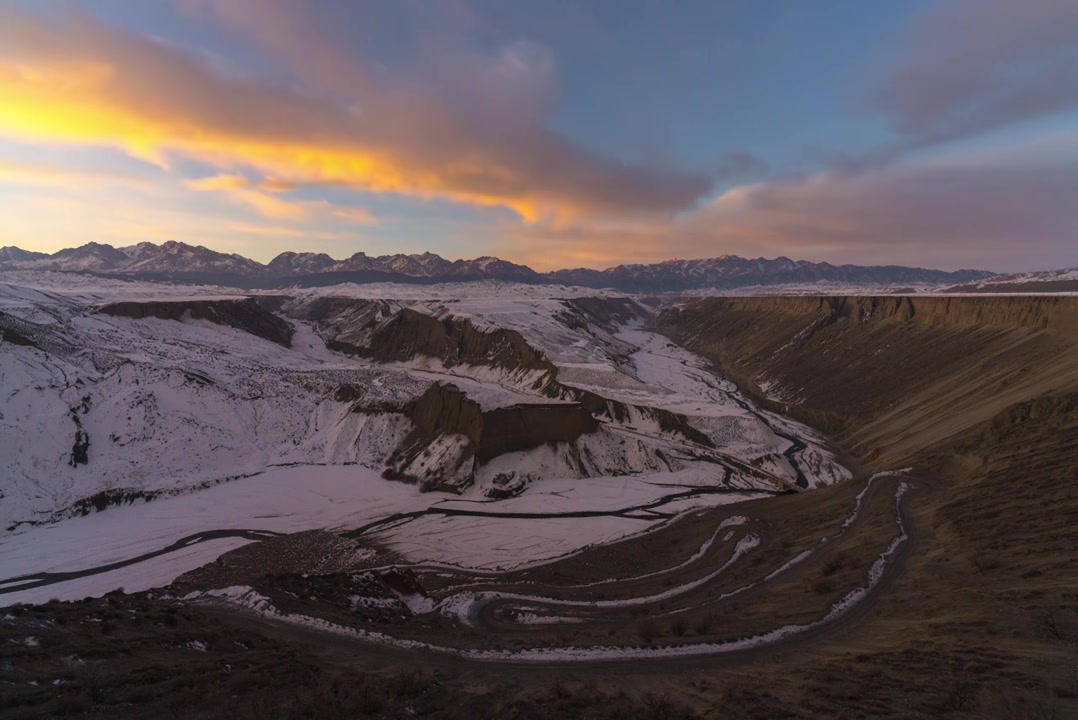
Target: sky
x: 935, y: 133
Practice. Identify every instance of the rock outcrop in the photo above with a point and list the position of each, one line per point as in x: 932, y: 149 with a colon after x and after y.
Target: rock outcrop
x: 243, y: 314
x: 602, y: 312
x: 12, y: 336
x: 452, y: 435
x: 454, y: 341
x: 345, y: 324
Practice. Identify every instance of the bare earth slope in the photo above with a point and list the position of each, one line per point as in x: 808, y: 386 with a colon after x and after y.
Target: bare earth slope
x: 889, y: 375
x: 980, y: 394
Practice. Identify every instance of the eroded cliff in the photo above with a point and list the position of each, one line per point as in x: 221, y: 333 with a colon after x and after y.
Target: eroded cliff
x: 452, y: 435
x: 243, y: 314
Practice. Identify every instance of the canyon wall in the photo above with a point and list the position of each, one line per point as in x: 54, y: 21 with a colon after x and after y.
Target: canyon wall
x: 887, y: 376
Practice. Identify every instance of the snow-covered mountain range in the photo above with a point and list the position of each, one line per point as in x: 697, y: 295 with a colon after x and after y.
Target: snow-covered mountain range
x: 179, y: 261
x: 1046, y: 281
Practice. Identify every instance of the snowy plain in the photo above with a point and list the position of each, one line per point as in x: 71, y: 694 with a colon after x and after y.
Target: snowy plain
x: 462, y: 606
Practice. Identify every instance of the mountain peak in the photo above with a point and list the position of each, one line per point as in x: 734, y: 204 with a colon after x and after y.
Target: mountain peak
x: 10, y: 253
x: 175, y: 258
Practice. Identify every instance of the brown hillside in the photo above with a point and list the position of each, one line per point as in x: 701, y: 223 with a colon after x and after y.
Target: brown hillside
x: 980, y: 395
x: 888, y: 375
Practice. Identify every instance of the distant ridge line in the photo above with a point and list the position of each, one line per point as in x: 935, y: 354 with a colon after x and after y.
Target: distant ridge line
x: 179, y: 262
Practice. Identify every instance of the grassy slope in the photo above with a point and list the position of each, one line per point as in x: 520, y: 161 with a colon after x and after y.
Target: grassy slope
x: 981, y: 394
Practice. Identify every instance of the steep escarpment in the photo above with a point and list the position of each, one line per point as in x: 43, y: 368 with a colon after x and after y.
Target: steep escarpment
x: 13, y: 331
x: 456, y: 341
x: 243, y: 314
x: 453, y: 341
x: 522, y: 427
x: 890, y: 375
x: 452, y: 435
x: 627, y: 414
x: 344, y: 323
x: 608, y: 313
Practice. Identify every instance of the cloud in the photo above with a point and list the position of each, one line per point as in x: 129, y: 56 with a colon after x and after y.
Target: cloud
x: 108, y: 214
x: 1007, y: 208
x: 738, y: 166
x: 469, y: 119
x: 544, y: 246
x: 971, y: 66
x: 258, y: 195
x: 240, y: 191
x: 32, y: 173
x: 480, y: 138
x: 314, y: 53
x: 353, y: 214
x: 1003, y: 212
x: 965, y: 68
x: 220, y: 182
x: 283, y: 231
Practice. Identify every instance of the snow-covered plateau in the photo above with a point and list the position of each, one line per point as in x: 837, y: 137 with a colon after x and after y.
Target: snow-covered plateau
x: 146, y: 429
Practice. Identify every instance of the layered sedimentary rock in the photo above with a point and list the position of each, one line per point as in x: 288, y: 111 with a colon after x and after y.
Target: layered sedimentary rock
x: 452, y: 435
x: 608, y: 313
x: 454, y: 341
x: 243, y: 314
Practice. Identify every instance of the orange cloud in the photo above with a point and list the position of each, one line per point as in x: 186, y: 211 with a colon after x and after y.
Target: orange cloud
x: 243, y: 191
x: 354, y: 214
x: 220, y: 182
x: 76, y: 80
x: 237, y: 189
x: 104, y: 214
x: 545, y: 246
x: 24, y: 173
x: 284, y: 231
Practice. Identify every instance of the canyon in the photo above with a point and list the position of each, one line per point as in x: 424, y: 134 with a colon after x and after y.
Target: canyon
x: 861, y: 493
